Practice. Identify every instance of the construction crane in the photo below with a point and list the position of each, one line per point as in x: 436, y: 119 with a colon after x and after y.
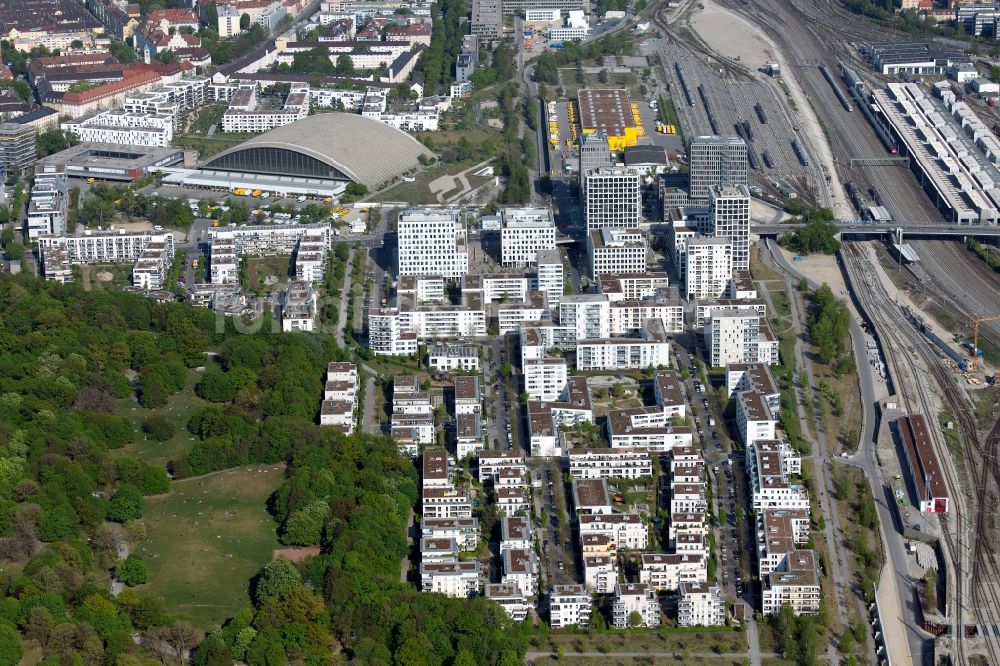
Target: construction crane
x: 976, y: 321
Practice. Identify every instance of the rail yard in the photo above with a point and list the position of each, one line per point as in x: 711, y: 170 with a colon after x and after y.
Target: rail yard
x: 822, y: 46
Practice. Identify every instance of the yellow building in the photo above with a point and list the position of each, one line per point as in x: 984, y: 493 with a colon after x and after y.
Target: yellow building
x: 612, y: 112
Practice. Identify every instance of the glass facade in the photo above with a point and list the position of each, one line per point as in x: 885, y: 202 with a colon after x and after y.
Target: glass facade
x: 275, y: 161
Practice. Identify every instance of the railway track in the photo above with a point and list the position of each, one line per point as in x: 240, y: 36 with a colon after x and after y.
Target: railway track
x: 971, y: 286
x: 903, y: 345
x: 803, y: 33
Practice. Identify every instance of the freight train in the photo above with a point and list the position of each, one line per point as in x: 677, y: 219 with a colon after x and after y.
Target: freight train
x: 800, y: 152
x: 684, y: 83
x: 856, y: 87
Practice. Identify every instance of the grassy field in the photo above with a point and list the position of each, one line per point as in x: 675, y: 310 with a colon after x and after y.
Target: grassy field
x: 720, y: 641
x: 259, y: 268
x: 179, y: 409
x: 207, y: 538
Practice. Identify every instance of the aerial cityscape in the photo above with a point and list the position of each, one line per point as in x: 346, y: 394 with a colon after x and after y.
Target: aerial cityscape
x: 500, y: 332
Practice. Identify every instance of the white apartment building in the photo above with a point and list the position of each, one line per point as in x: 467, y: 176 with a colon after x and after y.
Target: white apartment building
x: 445, y: 358
x: 123, y: 127
x: 569, y: 605
x: 709, y: 266
x: 600, y: 573
x: 651, y: 350
x: 545, y: 418
x: 778, y: 534
x: 492, y: 462
x: 796, y: 585
x: 498, y: 287
x: 633, y: 286
x: 386, y: 335
x: 770, y: 463
x: 468, y: 435
x: 511, y: 316
x: 467, y: 395
x: 638, y: 598
x: 754, y: 417
x: 445, y: 503
x: 754, y: 377
x: 688, y: 498
x: 612, y: 197
x: 588, y: 316
x: 668, y: 394
x: 700, y: 605
x: 616, y: 250
x: 523, y: 232
x: 628, y: 317
x: 432, y: 242
x: 604, y: 463
x: 667, y: 571
x: 703, y: 309
x: 464, y: 530
x: 49, y: 203
x: 454, y: 578
x: 545, y: 379
x: 511, y: 600
x: 441, y: 322
x: 516, y: 532
x: 150, y: 269
x: 739, y: 336
x: 106, y: 247
x: 520, y: 569
x: 340, y: 396
x: 729, y: 215
x: 647, y: 428
x: 246, y: 115
x: 435, y: 469
x: 574, y: 26
x: 549, y: 275
x: 438, y: 549
x: 298, y: 307
x: 625, y: 530
x: 422, y: 288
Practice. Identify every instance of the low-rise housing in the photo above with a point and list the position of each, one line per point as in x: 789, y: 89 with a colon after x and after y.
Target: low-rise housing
x: 701, y: 605
x: 604, y: 463
x: 635, y: 605
x: 569, y: 605
x: 510, y: 598
x: 340, y: 396
x: 445, y: 358
x: 626, y: 530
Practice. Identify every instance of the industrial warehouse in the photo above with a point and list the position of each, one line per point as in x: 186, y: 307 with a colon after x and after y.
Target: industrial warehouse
x: 953, y: 161
x: 315, y: 156
x: 611, y: 112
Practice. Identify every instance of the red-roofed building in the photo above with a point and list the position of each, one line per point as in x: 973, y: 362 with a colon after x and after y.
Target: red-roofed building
x: 412, y: 33
x: 106, y: 96
x: 173, y: 18
x: 151, y: 39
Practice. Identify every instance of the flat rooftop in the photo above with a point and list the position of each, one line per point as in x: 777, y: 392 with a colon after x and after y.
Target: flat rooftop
x: 608, y: 111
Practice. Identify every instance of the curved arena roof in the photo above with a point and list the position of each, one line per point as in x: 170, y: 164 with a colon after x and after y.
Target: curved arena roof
x: 339, y: 146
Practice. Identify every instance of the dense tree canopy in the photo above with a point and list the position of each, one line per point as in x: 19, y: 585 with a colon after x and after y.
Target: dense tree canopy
x: 818, y: 235
x: 67, y: 359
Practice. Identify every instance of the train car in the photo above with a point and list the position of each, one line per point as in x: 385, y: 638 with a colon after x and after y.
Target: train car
x: 841, y: 97
x: 766, y: 156
x: 752, y: 159
x: 800, y: 152
x: 761, y: 116
x: 684, y: 83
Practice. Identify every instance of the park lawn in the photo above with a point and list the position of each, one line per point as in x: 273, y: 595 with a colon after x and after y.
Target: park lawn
x: 723, y: 640
x: 259, y: 268
x: 207, y: 538
x: 179, y: 409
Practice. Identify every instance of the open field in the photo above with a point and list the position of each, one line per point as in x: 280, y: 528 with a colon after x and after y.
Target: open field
x: 723, y: 640
x: 207, y: 538
x: 179, y: 409
x: 611, y: 660
x: 259, y: 269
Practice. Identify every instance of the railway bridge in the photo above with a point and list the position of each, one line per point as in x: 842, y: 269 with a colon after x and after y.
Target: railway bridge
x: 860, y: 229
